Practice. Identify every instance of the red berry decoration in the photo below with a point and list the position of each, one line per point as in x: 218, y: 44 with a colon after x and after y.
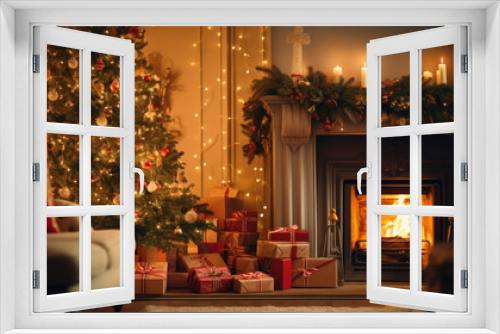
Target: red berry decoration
x: 99, y: 65
x: 327, y: 126
x: 252, y: 147
x: 147, y: 78
x: 115, y: 86
x: 147, y: 164
x: 165, y: 152
x: 134, y: 31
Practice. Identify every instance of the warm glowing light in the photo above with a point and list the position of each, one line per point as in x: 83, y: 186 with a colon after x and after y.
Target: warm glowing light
x: 442, y: 60
x: 262, y: 215
x: 257, y: 180
x: 239, y: 171
x: 196, y: 155
x: 399, y: 227
x: 195, y: 45
x: 240, y: 36
x: 248, y: 194
x: 265, y: 207
x: 195, y: 115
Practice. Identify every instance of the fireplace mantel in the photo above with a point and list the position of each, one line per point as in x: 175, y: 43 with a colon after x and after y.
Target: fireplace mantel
x: 294, y: 166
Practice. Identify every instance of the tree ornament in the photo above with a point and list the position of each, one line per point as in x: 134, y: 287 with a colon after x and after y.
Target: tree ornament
x: 191, y: 217
x: 107, y: 111
x: 147, y: 78
x: 165, y: 152
x: 136, y: 214
x: 151, y: 115
x: 147, y: 164
x: 175, y: 188
x: 116, y: 200
x: 99, y: 87
x: 101, y: 121
x: 64, y: 193
x: 72, y: 63
x: 53, y: 95
x: 115, y: 86
x: 99, y: 64
x: 178, y: 230
x: 327, y: 126
x: 134, y: 31
x: 152, y: 187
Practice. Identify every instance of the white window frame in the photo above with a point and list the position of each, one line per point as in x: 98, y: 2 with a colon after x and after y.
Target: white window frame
x: 484, y: 50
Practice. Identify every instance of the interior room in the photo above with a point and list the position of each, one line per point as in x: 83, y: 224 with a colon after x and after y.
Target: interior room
x: 230, y: 183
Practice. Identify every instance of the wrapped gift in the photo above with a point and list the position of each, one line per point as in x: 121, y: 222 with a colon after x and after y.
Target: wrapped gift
x: 253, y: 282
x: 209, y: 280
x: 177, y: 280
x: 278, y: 250
x: 281, y: 271
x: 210, y: 235
x: 312, y: 272
x: 151, y: 254
x: 201, y: 261
x: 174, y: 256
x: 221, y: 201
x: 291, y: 234
x: 214, y: 247
x: 240, y: 264
x: 151, y: 278
x: 239, y: 239
x: 242, y: 221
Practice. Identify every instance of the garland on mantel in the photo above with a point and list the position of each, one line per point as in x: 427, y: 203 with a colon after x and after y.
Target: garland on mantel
x: 332, y: 104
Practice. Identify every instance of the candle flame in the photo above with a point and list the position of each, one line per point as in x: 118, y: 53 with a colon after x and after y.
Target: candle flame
x: 364, y: 64
x: 442, y: 60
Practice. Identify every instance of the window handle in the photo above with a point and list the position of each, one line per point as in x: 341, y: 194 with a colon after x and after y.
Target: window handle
x: 368, y: 171
x: 139, y: 171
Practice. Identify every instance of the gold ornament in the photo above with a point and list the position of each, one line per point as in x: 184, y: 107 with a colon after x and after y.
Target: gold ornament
x: 72, y: 63
x: 107, y: 112
x: 175, y: 189
x: 53, y: 95
x: 101, y: 121
x: 151, y: 115
x: 152, y: 186
x: 64, y: 192
x: 178, y: 230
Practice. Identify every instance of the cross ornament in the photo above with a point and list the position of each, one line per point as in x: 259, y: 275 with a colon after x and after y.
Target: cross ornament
x: 297, y: 38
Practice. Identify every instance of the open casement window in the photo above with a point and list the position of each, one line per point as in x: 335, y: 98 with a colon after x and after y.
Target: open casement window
x: 416, y: 154
x: 89, y: 262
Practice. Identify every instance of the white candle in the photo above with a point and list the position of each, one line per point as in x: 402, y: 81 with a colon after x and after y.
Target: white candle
x: 442, y: 69
x: 438, y: 77
x: 337, y: 74
x: 363, y: 76
x: 427, y: 76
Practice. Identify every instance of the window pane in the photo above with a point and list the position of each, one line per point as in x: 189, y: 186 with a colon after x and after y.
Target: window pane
x: 105, y: 252
x: 437, y: 170
x: 63, y: 169
x: 63, y: 85
x: 395, y: 171
x: 395, y: 89
x: 437, y: 254
x: 105, y: 176
x: 437, y: 84
x: 105, y: 90
x: 395, y: 251
x: 63, y: 255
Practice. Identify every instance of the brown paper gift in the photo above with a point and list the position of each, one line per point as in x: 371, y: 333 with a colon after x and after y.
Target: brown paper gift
x: 151, y: 254
x: 239, y: 239
x: 177, y: 280
x: 280, y: 250
x: 241, y: 264
x: 253, y: 282
x: 174, y: 257
x: 201, y: 261
x: 151, y: 278
x: 221, y: 201
x: 314, y: 272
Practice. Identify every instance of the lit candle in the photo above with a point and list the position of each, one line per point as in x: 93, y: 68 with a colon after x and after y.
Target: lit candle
x: 337, y: 74
x: 442, y: 70
x: 427, y: 75
x: 363, y: 76
x: 438, y: 77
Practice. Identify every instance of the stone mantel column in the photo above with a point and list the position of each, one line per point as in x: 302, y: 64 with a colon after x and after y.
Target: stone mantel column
x: 294, y: 166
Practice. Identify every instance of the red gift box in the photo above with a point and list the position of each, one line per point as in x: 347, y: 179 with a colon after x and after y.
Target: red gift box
x: 242, y: 221
x: 215, y: 247
x: 281, y: 271
x: 290, y: 234
x: 210, y: 280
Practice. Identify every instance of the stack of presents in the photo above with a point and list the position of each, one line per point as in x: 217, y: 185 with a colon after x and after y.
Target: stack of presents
x: 237, y: 260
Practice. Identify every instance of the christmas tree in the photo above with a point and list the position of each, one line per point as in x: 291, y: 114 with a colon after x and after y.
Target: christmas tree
x: 167, y: 212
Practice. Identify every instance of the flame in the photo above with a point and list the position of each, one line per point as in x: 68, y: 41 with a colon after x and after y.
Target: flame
x: 400, y: 225
x: 442, y: 62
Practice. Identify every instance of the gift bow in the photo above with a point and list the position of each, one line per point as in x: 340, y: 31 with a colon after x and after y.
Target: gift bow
x: 215, y: 280
x: 306, y: 272
x: 255, y: 275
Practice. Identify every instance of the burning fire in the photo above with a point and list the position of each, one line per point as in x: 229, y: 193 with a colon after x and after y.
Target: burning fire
x: 399, y: 227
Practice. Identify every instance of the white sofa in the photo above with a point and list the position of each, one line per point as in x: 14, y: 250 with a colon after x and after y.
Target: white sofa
x: 63, y: 259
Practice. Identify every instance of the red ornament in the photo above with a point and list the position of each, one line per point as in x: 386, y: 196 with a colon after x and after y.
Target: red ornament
x: 147, y: 78
x: 165, y: 152
x: 385, y: 99
x: 159, y: 186
x: 147, y: 164
x: 136, y: 214
x: 155, y: 105
x: 327, y: 126
x: 108, y: 151
x: 99, y: 64
x: 252, y: 147
x: 387, y: 83
x: 115, y: 86
x: 253, y: 128
x: 134, y: 31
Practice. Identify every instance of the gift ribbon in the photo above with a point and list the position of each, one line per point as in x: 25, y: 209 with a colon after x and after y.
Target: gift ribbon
x: 215, y: 278
x: 306, y: 272
x: 290, y: 229
x: 144, y: 269
x: 255, y: 275
x: 294, y: 250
